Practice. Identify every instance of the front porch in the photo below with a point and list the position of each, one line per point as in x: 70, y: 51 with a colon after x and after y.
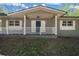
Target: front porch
x: 25, y: 26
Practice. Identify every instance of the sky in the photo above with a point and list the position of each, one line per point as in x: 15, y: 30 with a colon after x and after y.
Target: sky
x: 12, y: 7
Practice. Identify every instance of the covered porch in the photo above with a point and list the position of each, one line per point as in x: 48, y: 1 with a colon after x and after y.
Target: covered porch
x: 38, y: 20
x: 25, y: 29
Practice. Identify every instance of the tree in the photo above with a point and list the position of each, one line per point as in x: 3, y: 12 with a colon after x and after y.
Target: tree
x: 3, y: 10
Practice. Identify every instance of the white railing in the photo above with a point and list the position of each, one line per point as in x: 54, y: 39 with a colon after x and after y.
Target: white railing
x: 29, y: 30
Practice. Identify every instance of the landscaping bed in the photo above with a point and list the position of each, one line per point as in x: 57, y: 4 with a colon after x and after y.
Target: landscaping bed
x: 23, y: 46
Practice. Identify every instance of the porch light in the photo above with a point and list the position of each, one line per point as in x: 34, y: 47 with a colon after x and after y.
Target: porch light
x: 38, y: 17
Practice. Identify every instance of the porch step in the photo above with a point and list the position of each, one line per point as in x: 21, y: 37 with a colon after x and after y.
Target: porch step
x: 32, y: 36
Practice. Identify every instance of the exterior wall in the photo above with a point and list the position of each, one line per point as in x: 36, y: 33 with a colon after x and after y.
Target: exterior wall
x: 3, y: 26
x: 48, y: 22
x: 69, y: 33
x: 3, y: 22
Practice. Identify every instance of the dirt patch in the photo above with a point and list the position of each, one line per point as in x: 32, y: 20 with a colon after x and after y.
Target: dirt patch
x: 13, y: 46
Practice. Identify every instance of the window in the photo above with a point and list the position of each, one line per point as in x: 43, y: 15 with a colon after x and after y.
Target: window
x: 17, y: 23
x: 11, y: 23
x: 64, y: 23
x: 14, y: 23
x: 67, y: 25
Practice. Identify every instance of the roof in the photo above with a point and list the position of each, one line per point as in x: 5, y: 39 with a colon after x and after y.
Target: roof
x: 64, y: 12
x: 69, y: 16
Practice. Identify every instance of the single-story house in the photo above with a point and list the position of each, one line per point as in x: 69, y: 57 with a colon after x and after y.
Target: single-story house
x: 40, y: 20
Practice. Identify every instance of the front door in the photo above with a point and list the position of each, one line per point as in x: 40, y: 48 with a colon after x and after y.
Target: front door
x: 38, y: 25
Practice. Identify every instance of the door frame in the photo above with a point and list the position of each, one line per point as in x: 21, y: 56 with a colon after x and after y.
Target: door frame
x: 33, y: 29
x: 38, y: 27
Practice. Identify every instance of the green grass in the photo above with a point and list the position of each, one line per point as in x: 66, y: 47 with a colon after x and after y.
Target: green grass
x: 20, y: 46
x: 33, y: 48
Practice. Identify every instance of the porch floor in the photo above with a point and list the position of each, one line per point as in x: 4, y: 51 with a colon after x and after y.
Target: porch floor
x: 29, y: 35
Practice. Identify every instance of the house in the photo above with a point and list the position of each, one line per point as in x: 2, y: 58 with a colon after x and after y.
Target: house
x: 40, y: 20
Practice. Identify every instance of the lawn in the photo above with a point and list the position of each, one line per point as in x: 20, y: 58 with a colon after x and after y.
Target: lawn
x: 22, y: 46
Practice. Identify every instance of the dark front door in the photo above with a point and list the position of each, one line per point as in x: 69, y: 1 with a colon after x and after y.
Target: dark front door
x: 38, y: 25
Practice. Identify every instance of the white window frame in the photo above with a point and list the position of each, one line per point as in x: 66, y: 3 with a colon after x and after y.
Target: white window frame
x: 67, y: 27
x: 15, y: 27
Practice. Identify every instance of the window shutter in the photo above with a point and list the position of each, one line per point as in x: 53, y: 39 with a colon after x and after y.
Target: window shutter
x: 20, y: 23
x: 33, y: 26
x: 42, y: 26
x: 74, y: 24
x: 60, y: 24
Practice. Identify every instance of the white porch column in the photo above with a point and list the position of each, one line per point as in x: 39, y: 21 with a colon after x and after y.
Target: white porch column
x: 7, y: 27
x: 24, y: 25
x: 56, y: 25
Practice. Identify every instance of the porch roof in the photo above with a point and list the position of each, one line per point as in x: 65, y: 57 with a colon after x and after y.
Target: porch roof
x: 39, y: 8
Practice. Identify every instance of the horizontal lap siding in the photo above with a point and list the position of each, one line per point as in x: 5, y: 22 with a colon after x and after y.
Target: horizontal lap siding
x: 28, y: 23
x: 3, y: 22
x: 49, y: 22
x: 69, y: 33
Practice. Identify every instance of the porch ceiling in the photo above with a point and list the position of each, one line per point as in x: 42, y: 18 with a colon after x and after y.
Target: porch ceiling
x: 41, y: 10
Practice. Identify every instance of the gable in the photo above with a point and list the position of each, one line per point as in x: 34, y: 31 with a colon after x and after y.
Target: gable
x: 38, y: 8
x: 41, y: 14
